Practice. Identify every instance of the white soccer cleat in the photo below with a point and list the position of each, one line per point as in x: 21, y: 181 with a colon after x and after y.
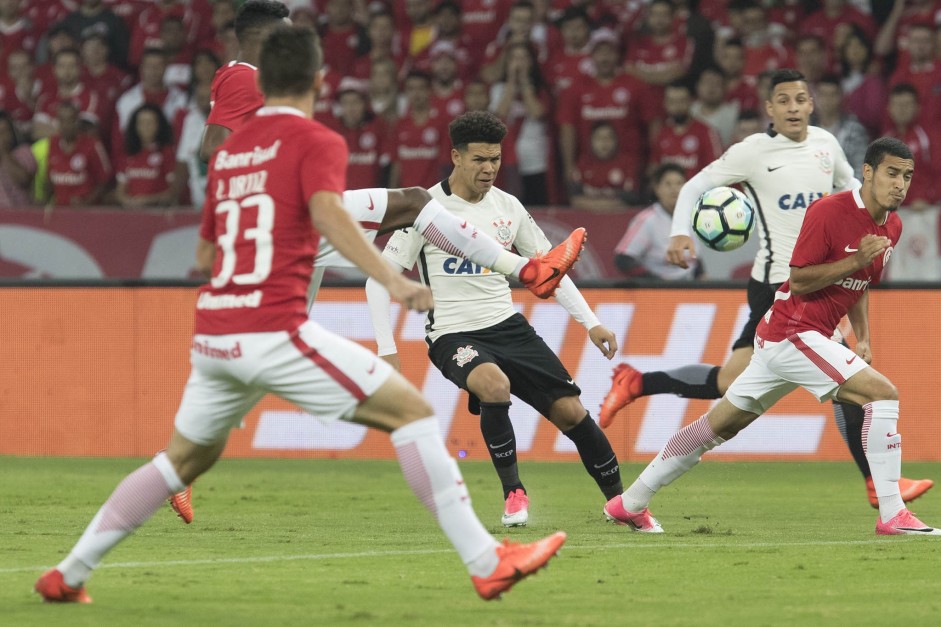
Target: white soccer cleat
x: 643, y: 521
x: 905, y: 523
x: 516, y: 512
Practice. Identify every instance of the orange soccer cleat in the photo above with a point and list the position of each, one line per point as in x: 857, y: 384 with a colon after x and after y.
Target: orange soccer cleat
x: 543, y: 274
x: 626, y: 386
x: 53, y: 589
x: 911, y: 489
x: 182, y: 505
x: 516, y: 562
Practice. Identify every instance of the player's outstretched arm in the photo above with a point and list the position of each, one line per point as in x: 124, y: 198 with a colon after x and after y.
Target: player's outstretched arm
x: 572, y: 300
x: 213, y: 136
x: 380, y: 312
x: 602, y: 337
x: 681, y: 251
x: 812, y: 278
x: 334, y: 223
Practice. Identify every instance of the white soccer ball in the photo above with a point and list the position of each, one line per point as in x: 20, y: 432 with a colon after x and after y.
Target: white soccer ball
x: 723, y: 218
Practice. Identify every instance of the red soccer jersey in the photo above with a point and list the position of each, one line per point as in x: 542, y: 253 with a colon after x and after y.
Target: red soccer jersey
x: 605, y: 178
x: 341, y: 48
x: 21, y: 35
x: 831, y: 231
x: 564, y: 69
x: 480, y: 23
x: 77, y: 172
x: 367, y: 146
x: 259, y: 185
x: 86, y: 100
x: 692, y: 147
x: 234, y: 95
x: 420, y: 150
x: 148, y: 172
x: 647, y: 54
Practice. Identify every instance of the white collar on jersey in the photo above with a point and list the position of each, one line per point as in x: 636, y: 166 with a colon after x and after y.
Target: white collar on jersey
x: 280, y: 110
x: 237, y: 62
x: 862, y: 205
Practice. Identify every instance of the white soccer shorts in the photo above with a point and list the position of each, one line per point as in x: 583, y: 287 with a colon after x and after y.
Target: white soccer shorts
x: 808, y: 360
x: 324, y: 374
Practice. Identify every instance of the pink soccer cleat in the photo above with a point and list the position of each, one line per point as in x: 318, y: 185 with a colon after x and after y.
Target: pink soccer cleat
x: 516, y: 512
x: 905, y: 523
x: 641, y: 521
x: 516, y: 562
x: 53, y: 589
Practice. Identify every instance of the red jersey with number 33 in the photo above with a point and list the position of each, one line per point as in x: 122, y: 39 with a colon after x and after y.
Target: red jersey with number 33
x: 831, y: 231
x: 259, y: 184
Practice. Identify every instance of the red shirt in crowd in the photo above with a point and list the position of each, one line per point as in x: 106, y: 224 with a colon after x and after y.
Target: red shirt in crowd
x: 692, y: 146
x: 77, y: 171
x: 85, y: 99
x: 368, y: 146
x: 605, y: 178
x: 421, y: 149
x: 19, y: 36
x: 148, y: 172
x: 926, y: 153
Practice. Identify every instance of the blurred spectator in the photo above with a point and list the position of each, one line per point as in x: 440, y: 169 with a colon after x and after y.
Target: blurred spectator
x: 749, y: 123
x: 147, y: 174
x: 17, y: 166
x: 476, y: 96
x: 228, y: 43
x: 830, y: 115
x: 608, y: 96
x: 189, y: 167
x: 604, y: 179
x: 19, y: 90
x: 16, y: 31
x: 93, y: 17
x: 571, y: 61
x: 446, y: 88
x: 711, y: 105
x: 894, y: 33
x: 682, y: 139
x: 922, y: 70
x: 79, y: 171
x: 689, y: 19
x: 518, y: 29
x: 417, y: 32
x: 223, y: 21
x: 146, y: 32
x: 177, y: 51
x: 69, y: 87
x: 421, y: 144
x: 739, y: 87
x: 57, y: 39
x: 45, y: 14
x: 864, y: 91
x: 104, y: 78
x: 661, y: 54
x: 384, y: 98
x: 448, y: 27
x: 480, y: 22
x: 917, y: 255
x: 521, y: 99
x: 151, y: 89
x: 832, y: 21
x: 204, y: 67
x: 365, y: 135
x: 323, y: 106
x: 763, y: 41
x: 342, y: 39
x: 642, y: 251
x: 810, y: 58
x: 903, y: 116
x: 382, y: 44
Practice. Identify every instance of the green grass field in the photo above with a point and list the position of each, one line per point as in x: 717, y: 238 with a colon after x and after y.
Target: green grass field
x: 346, y: 543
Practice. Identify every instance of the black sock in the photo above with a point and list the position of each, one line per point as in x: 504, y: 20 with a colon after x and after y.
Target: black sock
x: 849, y: 420
x: 597, y: 456
x: 500, y: 439
x: 696, y: 381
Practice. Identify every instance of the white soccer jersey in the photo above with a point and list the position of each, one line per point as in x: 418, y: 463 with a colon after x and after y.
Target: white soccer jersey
x: 367, y: 207
x: 781, y: 177
x: 469, y: 297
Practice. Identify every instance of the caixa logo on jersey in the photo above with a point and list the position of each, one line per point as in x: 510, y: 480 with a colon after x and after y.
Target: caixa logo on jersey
x: 800, y: 200
x: 456, y: 265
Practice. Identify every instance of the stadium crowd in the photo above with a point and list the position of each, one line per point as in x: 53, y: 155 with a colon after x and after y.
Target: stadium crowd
x: 103, y: 102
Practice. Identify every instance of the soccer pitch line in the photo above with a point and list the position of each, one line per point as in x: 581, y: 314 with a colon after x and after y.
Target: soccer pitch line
x: 262, y: 559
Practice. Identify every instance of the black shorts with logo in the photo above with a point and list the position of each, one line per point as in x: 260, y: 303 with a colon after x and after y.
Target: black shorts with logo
x: 537, y: 376
x: 760, y: 299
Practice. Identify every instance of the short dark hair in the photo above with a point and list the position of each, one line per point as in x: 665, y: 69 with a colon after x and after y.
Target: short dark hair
x: 290, y: 59
x: 665, y: 168
x: 257, y: 14
x: 878, y: 149
x: 447, y: 5
x: 132, y: 141
x: 784, y: 75
x: 67, y: 51
x: 476, y: 127
x: 831, y: 79
x: 904, y: 88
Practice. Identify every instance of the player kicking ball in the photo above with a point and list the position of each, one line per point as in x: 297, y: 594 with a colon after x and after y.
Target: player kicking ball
x: 252, y: 335
x: 843, y: 246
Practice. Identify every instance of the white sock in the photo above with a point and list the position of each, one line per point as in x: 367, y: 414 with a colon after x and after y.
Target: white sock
x: 130, y: 505
x: 680, y: 454
x: 436, y: 480
x: 458, y: 237
x: 883, y: 446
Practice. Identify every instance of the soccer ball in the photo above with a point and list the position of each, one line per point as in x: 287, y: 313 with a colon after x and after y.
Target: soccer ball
x: 723, y: 218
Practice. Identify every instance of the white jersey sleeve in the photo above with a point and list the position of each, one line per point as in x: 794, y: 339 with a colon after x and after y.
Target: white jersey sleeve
x: 530, y: 241
x: 368, y: 208
x: 404, y: 247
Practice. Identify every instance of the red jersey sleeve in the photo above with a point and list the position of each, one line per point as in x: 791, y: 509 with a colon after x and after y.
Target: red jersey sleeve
x: 323, y: 164
x: 813, y: 241
x: 235, y: 97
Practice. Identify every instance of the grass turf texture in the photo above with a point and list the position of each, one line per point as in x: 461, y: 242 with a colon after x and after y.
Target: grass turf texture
x: 346, y: 543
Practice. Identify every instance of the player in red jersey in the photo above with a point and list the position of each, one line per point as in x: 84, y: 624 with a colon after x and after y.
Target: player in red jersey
x: 845, y: 242
x: 268, y: 198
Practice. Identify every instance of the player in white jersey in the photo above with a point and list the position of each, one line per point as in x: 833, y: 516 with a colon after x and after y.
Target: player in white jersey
x: 782, y: 171
x: 476, y: 338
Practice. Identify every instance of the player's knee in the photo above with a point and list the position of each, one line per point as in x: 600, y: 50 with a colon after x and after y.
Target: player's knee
x: 886, y: 392
x: 490, y: 384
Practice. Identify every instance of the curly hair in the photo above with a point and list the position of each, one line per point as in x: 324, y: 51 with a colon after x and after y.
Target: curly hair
x: 132, y: 140
x: 257, y: 15
x: 476, y: 127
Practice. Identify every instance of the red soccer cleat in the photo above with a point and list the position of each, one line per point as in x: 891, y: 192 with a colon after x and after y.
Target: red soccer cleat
x: 182, y: 505
x: 52, y: 588
x: 516, y: 562
x: 543, y: 274
x: 627, y: 386
x: 911, y: 489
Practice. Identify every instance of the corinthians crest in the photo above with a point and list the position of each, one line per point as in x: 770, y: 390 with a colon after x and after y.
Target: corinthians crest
x: 825, y: 161
x: 504, y: 234
x: 464, y: 355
